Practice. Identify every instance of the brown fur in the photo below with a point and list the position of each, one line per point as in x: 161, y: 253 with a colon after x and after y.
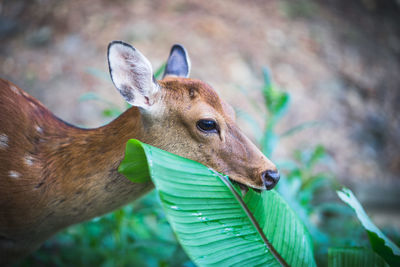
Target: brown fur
x: 53, y: 175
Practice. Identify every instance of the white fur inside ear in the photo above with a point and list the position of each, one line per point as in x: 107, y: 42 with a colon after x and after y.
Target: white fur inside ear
x: 132, y: 74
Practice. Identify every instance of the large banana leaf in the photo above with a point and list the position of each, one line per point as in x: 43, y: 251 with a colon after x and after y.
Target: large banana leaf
x: 212, y: 222
x: 354, y: 257
x: 380, y: 243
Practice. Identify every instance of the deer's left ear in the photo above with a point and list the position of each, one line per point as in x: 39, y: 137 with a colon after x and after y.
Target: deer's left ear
x: 132, y: 75
x: 178, y: 64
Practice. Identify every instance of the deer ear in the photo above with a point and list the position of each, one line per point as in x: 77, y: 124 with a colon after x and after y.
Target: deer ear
x: 178, y: 63
x: 132, y: 74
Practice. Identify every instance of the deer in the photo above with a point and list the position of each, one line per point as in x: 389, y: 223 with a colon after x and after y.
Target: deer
x: 54, y: 174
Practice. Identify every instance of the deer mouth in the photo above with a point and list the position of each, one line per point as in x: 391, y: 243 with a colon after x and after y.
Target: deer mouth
x: 243, y: 188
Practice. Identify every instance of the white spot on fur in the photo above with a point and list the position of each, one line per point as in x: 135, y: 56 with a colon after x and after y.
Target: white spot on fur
x: 3, y: 141
x: 28, y: 160
x: 14, y: 174
x: 14, y: 89
x: 39, y: 129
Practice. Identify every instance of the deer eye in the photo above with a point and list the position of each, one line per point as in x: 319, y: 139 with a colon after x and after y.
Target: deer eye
x: 208, y: 126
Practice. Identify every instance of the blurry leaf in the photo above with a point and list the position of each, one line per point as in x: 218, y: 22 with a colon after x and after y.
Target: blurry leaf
x: 296, y: 174
x: 276, y: 101
x: 317, y: 154
x: 309, y: 157
x: 160, y: 71
x: 354, y: 257
x: 298, y: 156
x: 127, y: 105
x: 287, y: 164
x: 210, y: 219
x: 269, y: 142
x: 289, y: 190
x: 309, y: 187
x: 111, y: 112
x: 379, y: 242
x: 267, y: 78
x: 334, y: 207
x: 281, y: 103
x: 300, y: 127
x: 315, y: 182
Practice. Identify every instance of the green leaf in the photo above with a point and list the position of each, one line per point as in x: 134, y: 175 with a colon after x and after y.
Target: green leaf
x: 354, y: 257
x: 379, y: 242
x: 269, y: 142
x: 276, y: 100
x: 318, y: 153
x: 111, y: 112
x: 134, y: 165
x: 270, y: 139
x: 212, y: 222
x: 267, y: 78
x: 160, y: 71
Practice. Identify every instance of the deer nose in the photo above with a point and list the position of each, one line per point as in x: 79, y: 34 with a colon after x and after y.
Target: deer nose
x: 270, y: 178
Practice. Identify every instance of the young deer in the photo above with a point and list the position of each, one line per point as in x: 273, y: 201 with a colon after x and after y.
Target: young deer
x: 53, y: 175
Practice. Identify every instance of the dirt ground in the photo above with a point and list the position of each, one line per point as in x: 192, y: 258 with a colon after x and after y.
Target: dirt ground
x: 339, y: 61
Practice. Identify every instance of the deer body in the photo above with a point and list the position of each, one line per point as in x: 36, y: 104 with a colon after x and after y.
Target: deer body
x: 46, y: 182
x: 53, y: 175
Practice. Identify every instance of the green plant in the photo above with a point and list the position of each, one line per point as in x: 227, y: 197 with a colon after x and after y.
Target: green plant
x: 301, y: 185
x: 214, y: 225
x: 354, y: 257
x: 140, y: 235
x: 380, y: 243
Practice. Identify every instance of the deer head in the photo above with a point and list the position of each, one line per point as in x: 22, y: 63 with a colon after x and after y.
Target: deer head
x: 187, y: 117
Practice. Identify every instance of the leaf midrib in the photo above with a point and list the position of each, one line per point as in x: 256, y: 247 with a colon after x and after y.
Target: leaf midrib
x: 269, y: 245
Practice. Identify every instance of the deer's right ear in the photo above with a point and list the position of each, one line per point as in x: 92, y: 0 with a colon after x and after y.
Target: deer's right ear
x: 132, y: 74
x: 178, y: 64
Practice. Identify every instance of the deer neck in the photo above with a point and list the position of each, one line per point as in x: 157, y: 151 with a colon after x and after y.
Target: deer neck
x: 71, y: 175
x: 90, y: 184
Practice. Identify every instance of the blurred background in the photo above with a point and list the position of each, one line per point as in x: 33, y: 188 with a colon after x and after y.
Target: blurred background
x: 337, y: 61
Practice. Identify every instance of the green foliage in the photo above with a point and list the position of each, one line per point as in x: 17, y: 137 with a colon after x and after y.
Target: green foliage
x: 379, y: 242
x: 301, y: 184
x: 300, y: 181
x: 208, y: 217
x: 277, y: 103
x: 355, y: 257
x: 139, y: 234
x: 159, y: 72
x: 300, y: 8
